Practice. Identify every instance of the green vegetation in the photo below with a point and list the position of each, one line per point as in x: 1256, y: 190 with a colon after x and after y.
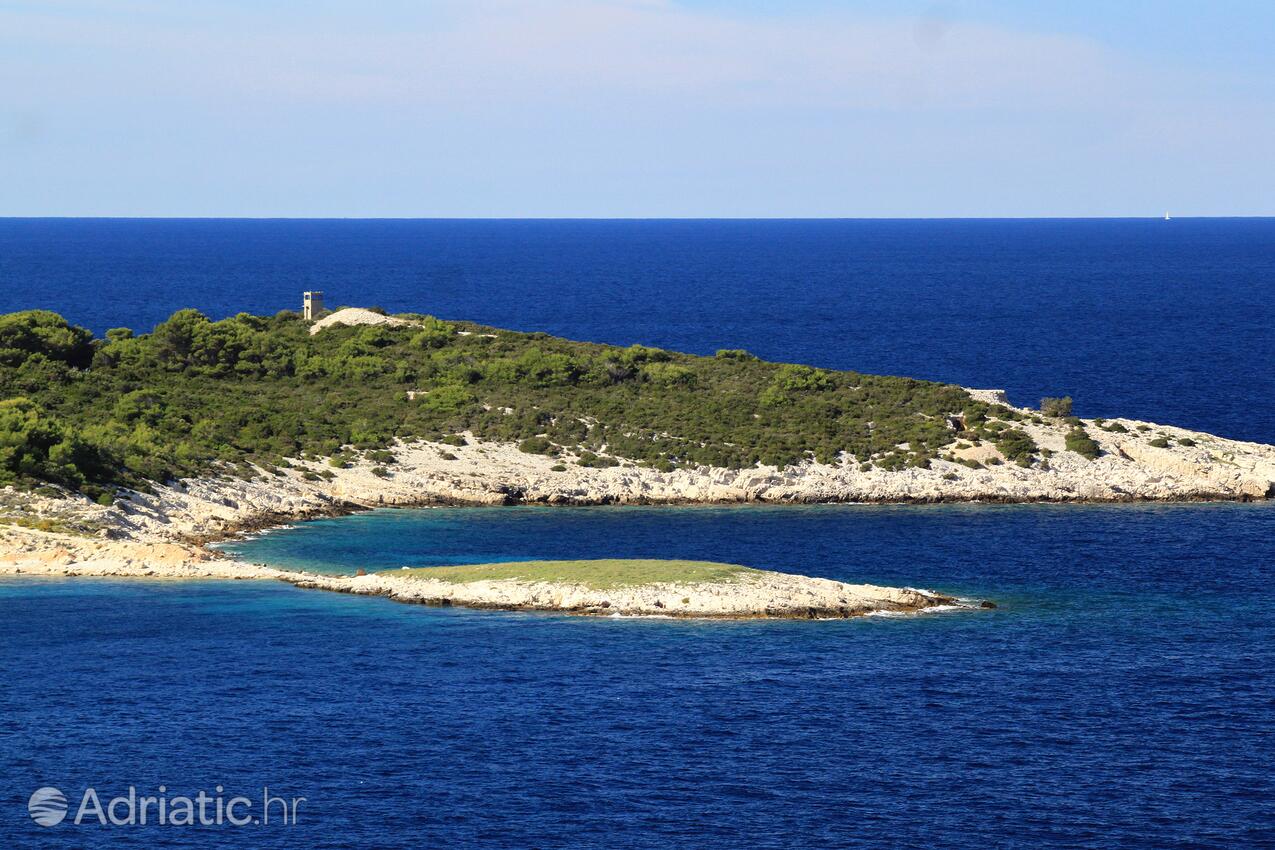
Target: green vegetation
x: 1059, y: 407
x: 538, y: 446
x: 588, y: 458
x: 1016, y: 445
x: 50, y: 524
x: 197, y: 397
x: 35, y: 446
x: 39, y: 331
x: 1079, y: 441
x: 600, y: 575
x: 1160, y: 442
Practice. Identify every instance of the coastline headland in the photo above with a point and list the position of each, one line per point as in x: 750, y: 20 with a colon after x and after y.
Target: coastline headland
x: 981, y: 450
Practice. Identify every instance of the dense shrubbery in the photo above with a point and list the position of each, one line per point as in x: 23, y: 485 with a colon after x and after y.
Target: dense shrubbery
x: 34, y: 445
x: 537, y: 446
x: 45, y: 336
x: 1060, y: 407
x: 126, y: 409
x: 1079, y: 441
x: 1016, y: 445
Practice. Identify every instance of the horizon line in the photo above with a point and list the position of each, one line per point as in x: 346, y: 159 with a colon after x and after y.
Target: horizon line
x: 1156, y: 217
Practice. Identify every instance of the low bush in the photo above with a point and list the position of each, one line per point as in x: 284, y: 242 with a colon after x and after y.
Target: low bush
x: 537, y: 446
x: 1079, y: 441
x: 600, y: 462
x: 1056, y: 407
x: 1016, y: 445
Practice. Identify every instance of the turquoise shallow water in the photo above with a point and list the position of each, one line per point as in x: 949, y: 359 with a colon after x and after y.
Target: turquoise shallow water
x: 1122, y: 695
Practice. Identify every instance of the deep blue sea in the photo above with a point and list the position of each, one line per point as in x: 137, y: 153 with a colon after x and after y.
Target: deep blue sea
x: 1122, y: 695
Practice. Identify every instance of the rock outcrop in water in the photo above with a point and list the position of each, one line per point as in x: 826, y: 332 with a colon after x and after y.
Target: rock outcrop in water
x: 755, y: 595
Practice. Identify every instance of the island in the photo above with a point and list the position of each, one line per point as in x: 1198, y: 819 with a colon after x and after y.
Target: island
x: 635, y: 588
x: 127, y: 454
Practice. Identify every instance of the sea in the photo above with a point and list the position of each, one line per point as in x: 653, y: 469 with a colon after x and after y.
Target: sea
x: 1122, y: 694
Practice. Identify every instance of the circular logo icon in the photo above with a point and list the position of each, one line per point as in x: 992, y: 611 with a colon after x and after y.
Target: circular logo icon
x: 47, y: 806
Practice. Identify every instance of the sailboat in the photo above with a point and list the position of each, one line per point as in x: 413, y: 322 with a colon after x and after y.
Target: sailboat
x: 1166, y: 216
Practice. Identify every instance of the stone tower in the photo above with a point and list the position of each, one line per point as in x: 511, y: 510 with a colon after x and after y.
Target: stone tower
x: 312, y: 305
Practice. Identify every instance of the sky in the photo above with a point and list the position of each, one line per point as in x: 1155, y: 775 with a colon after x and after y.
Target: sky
x: 636, y: 108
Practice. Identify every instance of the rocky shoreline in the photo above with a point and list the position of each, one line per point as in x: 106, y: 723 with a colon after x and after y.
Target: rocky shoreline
x: 1194, y: 467
x: 164, y: 533
x: 1187, y: 466
x: 757, y: 595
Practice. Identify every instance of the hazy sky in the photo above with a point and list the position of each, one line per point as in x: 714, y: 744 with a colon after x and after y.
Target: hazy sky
x: 637, y: 108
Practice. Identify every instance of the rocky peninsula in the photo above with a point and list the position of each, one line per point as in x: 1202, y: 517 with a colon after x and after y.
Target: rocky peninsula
x: 137, y: 451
